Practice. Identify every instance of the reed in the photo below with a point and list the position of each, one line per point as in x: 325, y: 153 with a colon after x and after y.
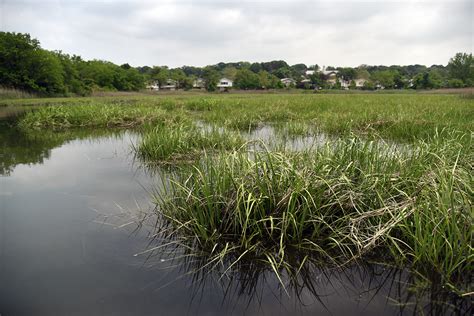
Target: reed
x: 351, y: 199
x: 96, y: 115
x: 184, y: 142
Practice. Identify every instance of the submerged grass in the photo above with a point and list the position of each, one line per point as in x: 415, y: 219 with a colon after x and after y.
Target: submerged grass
x: 351, y: 199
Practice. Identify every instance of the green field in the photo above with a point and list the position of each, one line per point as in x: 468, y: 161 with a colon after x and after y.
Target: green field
x: 384, y: 177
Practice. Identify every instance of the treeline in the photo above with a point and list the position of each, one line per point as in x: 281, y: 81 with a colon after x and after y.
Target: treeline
x: 25, y: 65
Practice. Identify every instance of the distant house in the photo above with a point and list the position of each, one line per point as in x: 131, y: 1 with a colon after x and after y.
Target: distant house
x: 344, y: 83
x: 332, y: 79
x: 153, y: 85
x: 331, y: 76
x: 199, y: 83
x: 359, y: 83
x: 309, y: 72
x: 287, y: 82
x: 224, y: 84
x: 169, y: 84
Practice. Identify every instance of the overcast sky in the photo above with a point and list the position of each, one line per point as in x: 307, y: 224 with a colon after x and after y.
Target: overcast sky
x: 186, y: 32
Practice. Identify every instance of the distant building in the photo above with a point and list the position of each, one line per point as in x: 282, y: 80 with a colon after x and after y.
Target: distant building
x: 224, y: 84
x: 359, y: 83
x: 170, y: 84
x: 153, y: 85
x: 331, y: 76
x: 344, y: 83
x: 199, y: 83
x: 309, y: 72
x: 287, y: 82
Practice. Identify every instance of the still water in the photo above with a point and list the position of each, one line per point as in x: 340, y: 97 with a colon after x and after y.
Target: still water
x: 69, y: 203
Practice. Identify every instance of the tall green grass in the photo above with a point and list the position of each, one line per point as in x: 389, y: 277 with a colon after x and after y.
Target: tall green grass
x: 348, y: 200
x: 96, y: 115
x: 401, y: 117
x: 178, y: 142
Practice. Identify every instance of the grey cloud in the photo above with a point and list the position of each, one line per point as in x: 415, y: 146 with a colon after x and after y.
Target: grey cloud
x: 177, y: 32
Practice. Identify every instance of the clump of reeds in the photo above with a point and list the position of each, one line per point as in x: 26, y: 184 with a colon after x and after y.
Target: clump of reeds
x: 178, y: 142
x: 344, y: 201
x: 295, y: 129
x: 96, y: 115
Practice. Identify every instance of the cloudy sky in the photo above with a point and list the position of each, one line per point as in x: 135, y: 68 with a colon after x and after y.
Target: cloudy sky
x: 187, y: 32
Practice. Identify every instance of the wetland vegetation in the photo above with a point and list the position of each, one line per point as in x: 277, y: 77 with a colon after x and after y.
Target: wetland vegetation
x: 392, y: 182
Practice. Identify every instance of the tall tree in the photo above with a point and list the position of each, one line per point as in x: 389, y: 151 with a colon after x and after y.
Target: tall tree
x: 211, y: 78
x: 246, y: 79
x: 461, y: 67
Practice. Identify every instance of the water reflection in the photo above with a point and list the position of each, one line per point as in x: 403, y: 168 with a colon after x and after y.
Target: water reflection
x: 311, y: 286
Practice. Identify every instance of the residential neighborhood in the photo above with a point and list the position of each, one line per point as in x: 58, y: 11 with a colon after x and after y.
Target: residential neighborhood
x: 321, y: 78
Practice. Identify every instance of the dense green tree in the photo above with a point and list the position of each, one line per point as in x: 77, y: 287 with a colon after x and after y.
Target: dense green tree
x: 192, y: 71
x: 160, y: 74
x: 211, y: 78
x: 362, y: 73
x: 347, y: 73
x: 317, y: 79
x: 384, y: 78
x: 229, y: 72
x: 283, y: 72
x: 268, y: 81
x: 455, y: 83
x: 274, y: 65
x: 24, y: 65
x: 73, y: 82
x: 246, y: 79
x: 256, y: 67
x: 368, y: 85
x: 179, y: 76
x: 300, y: 68
x: 428, y: 80
x: 461, y: 67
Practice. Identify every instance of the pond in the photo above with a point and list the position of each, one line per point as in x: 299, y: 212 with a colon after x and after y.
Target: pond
x: 69, y: 207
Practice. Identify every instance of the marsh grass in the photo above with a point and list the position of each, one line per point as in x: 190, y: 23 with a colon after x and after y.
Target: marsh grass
x: 295, y: 129
x: 96, y: 115
x: 400, y: 117
x: 351, y: 199
x: 397, y: 185
x: 10, y: 93
x: 184, y: 142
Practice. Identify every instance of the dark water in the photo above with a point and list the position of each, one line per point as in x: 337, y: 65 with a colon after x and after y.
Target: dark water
x: 69, y: 203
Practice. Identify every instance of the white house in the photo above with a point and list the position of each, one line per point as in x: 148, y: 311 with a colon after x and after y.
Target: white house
x: 359, y: 83
x: 170, y: 84
x: 199, y: 83
x: 309, y: 72
x: 345, y: 83
x: 331, y: 76
x: 153, y: 85
x: 224, y: 83
x: 287, y: 82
